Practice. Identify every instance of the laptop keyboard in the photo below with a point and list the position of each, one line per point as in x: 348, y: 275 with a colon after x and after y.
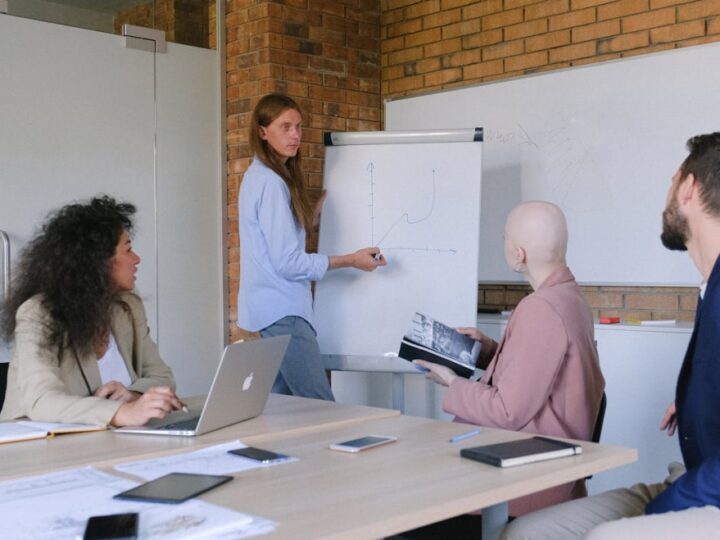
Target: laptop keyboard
x: 183, y: 425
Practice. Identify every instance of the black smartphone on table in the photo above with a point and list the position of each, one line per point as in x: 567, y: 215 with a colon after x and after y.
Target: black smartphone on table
x: 363, y: 443
x: 112, y: 527
x: 258, y: 454
x: 174, y: 487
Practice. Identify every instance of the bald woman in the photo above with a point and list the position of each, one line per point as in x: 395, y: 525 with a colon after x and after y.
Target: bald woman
x: 544, y: 376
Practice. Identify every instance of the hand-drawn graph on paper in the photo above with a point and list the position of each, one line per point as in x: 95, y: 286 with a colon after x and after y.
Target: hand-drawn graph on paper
x: 406, y: 218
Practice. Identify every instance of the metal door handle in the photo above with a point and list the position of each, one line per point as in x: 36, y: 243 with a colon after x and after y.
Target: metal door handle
x: 6, y: 264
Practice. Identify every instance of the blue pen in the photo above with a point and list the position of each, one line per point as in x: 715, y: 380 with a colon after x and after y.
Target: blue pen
x: 463, y: 436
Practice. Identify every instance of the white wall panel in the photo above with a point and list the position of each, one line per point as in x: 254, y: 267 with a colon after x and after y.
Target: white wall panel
x: 81, y: 115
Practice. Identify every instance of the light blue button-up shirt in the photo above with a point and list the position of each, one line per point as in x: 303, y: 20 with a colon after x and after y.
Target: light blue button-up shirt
x: 275, y: 269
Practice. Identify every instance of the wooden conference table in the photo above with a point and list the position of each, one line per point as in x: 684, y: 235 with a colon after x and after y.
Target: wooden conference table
x: 285, y: 415
x: 420, y: 479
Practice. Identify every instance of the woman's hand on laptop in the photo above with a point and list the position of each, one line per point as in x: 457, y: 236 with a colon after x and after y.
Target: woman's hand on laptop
x: 116, y: 391
x: 157, y: 402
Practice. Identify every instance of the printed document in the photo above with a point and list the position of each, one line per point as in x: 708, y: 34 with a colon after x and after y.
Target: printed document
x: 211, y: 460
x: 57, y: 506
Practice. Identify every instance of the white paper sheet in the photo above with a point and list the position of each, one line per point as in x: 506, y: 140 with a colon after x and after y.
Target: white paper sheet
x: 211, y: 460
x: 15, y: 431
x: 58, y: 426
x: 57, y: 505
x: 25, y: 430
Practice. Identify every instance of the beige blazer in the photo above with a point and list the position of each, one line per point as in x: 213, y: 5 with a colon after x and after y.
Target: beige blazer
x: 43, y: 389
x: 544, y: 378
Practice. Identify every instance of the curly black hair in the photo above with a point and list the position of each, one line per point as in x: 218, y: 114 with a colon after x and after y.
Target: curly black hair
x: 68, y: 263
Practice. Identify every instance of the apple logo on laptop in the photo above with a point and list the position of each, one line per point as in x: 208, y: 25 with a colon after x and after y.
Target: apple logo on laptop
x: 248, y: 381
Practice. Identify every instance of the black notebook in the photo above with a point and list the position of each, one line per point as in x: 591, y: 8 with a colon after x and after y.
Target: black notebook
x: 519, y: 452
x: 431, y: 340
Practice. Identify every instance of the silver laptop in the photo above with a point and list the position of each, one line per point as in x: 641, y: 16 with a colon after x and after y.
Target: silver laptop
x: 239, y: 391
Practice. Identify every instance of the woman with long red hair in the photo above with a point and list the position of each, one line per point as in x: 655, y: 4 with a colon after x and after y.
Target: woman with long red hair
x: 275, y: 269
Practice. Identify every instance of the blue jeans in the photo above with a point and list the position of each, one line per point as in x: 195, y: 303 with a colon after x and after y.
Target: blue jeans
x: 302, y: 372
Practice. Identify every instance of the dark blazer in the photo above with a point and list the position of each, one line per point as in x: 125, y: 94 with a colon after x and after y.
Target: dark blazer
x: 697, y: 401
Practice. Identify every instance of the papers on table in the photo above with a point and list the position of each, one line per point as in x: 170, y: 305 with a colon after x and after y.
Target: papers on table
x: 211, y: 460
x: 24, y: 430
x: 57, y: 506
x: 15, y: 431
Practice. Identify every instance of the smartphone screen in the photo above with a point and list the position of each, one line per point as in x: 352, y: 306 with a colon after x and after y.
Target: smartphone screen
x: 356, y: 445
x: 174, y: 487
x: 114, y: 526
x: 258, y: 454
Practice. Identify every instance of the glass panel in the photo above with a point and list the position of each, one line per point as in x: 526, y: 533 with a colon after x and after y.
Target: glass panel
x: 87, y: 106
x: 190, y: 22
x: 184, y: 21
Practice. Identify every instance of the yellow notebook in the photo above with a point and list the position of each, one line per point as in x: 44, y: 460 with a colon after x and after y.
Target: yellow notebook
x: 25, y: 430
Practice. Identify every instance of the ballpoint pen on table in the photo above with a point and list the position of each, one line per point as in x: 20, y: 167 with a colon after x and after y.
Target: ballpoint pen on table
x: 463, y: 436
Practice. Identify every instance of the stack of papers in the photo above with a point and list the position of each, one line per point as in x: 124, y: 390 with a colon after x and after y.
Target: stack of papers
x: 58, y: 505
x: 25, y: 430
x: 211, y: 460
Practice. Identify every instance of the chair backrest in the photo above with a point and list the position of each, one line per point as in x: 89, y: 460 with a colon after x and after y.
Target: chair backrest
x: 597, y: 431
x: 601, y: 411
x: 600, y: 419
x: 3, y: 382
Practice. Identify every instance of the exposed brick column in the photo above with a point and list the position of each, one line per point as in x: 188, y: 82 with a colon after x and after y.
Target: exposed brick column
x: 323, y: 53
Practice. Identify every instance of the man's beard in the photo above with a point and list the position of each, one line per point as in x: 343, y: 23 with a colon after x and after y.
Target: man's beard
x: 675, y: 232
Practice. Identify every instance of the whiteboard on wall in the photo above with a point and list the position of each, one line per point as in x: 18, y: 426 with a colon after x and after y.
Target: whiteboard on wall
x: 420, y: 204
x: 602, y: 141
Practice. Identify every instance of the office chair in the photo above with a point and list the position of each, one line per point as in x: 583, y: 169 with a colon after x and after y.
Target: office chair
x: 597, y: 430
x: 600, y: 419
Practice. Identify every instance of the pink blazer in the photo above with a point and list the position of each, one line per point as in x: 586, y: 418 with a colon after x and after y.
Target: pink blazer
x: 545, y: 377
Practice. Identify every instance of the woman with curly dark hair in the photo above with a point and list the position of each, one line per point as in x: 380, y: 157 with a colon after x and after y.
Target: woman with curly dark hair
x: 82, y: 349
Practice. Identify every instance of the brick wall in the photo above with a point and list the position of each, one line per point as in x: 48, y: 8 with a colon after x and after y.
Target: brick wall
x: 212, y: 25
x: 192, y: 22
x: 339, y: 58
x: 158, y: 14
x: 323, y: 53
x: 428, y: 45
x: 433, y: 44
x: 641, y: 303
x: 184, y: 21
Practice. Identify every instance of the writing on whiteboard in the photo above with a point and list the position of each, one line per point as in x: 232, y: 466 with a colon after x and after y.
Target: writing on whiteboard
x: 405, y: 218
x: 517, y: 136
